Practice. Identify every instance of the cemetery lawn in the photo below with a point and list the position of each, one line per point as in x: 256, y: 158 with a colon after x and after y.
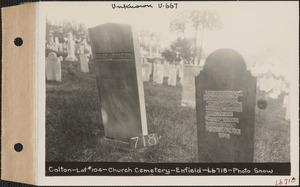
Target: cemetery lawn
x: 74, y: 126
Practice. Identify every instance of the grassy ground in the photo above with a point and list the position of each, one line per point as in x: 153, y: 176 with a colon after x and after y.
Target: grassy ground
x: 74, y: 127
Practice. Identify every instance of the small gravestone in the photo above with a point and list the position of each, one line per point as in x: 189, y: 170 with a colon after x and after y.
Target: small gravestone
x: 225, y: 107
x: 53, y: 68
x: 71, y: 48
x: 188, y: 85
x: 172, y: 75
x: 158, y: 73
x: 115, y: 51
x: 84, y: 64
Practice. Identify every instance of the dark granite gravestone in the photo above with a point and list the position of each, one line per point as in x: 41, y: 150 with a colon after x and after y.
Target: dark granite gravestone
x: 116, y: 52
x: 225, y: 105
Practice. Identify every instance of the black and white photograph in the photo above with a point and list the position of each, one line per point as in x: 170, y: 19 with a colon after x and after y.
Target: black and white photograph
x: 157, y: 82
x: 150, y: 93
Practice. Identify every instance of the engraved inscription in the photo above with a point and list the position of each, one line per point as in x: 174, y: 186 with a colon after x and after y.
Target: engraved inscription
x: 106, y: 56
x: 220, y: 107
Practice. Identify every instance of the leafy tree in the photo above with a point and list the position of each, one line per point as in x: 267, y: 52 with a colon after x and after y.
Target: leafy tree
x: 170, y: 55
x: 180, y: 49
x: 199, y: 21
x: 62, y: 29
x: 149, y: 38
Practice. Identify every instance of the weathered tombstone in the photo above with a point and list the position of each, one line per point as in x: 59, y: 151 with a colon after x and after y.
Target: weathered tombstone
x: 188, y: 85
x: 71, y: 48
x: 158, y: 73
x: 84, y: 65
x: 225, y: 107
x: 115, y: 51
x: 172, y: 75
x: 53, y: 67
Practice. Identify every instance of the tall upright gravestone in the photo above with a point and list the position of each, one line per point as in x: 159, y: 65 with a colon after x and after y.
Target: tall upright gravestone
x: 225, y: 105
x: 71, y: 48
x: 115, y: 50
x: 188, y: 85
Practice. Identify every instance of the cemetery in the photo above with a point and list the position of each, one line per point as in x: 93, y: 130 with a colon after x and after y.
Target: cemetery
x: 110, y: 99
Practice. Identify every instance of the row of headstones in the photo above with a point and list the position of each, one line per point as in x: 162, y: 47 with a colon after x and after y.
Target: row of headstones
x: 160, y: 71
x: 53, y: 66
x: 273, y: 87
x: 268, y: 83
x: 225, y: 94
x: 71, y: 48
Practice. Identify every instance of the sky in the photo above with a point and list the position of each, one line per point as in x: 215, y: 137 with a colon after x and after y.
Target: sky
x: 251, y: 28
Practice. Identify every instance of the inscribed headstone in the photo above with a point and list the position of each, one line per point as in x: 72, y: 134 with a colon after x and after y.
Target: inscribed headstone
x: 188, y: 85
x: 53, y: 67
x: 115, y: 51
x: 225, y: 107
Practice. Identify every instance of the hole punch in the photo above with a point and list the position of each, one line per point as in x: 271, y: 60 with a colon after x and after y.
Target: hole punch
x: 18, y: 41
x: 18, y: 147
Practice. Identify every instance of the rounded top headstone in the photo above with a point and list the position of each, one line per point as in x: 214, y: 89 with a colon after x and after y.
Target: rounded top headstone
x: 52, y: 55
x: 225, y: 64
x: 224, y: 58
